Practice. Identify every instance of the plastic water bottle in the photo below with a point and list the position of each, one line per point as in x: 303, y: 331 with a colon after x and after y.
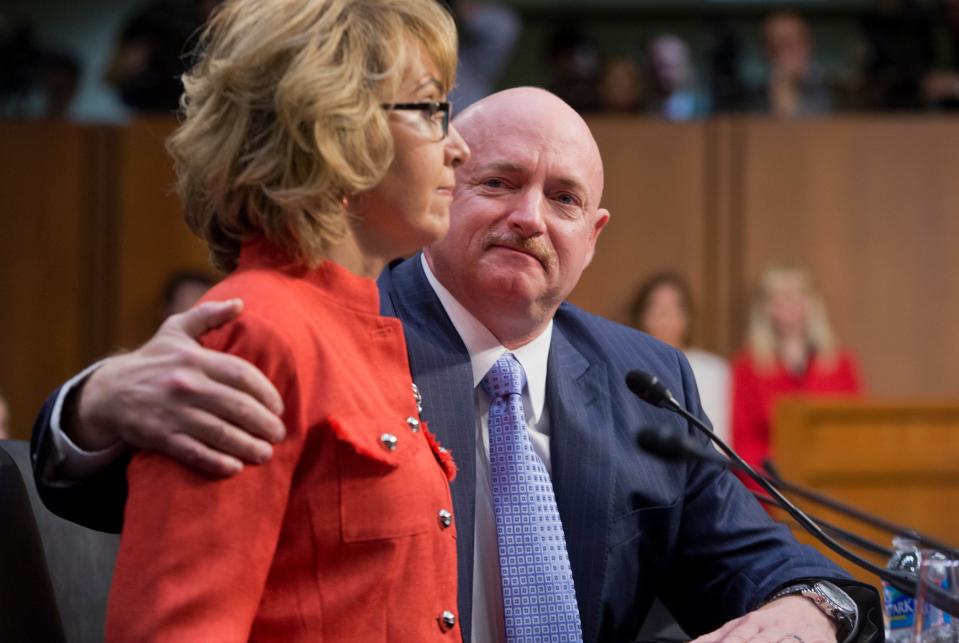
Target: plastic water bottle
x: 899, y: 609
x: 937, y: 626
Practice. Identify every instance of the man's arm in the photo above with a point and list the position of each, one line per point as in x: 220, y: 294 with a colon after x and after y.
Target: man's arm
x: 733, y: 548
x: 206, y: 409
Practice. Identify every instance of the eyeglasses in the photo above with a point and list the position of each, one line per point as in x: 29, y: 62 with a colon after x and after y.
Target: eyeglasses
x: 435, y: 113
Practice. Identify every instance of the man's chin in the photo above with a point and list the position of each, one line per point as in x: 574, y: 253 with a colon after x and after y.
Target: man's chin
x: 506, y: 282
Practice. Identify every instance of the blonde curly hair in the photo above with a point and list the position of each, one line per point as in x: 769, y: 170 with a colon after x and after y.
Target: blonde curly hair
x: 282, y: 118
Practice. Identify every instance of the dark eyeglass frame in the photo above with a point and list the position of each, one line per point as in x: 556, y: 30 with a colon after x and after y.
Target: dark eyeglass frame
x: 431, y: 107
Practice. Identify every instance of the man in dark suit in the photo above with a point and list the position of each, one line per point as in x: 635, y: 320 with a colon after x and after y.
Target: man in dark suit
x: 524, y: 223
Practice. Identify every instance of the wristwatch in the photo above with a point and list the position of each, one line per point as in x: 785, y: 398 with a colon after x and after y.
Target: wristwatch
x: 833, y: 602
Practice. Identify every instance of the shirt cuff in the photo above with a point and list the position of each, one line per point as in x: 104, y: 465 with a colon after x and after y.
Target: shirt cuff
x: 67, y: 461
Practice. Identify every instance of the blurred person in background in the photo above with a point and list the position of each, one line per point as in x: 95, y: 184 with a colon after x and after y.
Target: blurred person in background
x: 941, y: 85
x: 674, y: 96
x: 182, y: 290
x: 620, y: 87
x: 5, y: 431
x: 59, y: 79
x: 795, y: 86
x: 572, y: 68
x: 488, y: 32
x: 899, y: 49
x: 315, y: 146
x: 36, y: 81
x: 727, y: 91
x: 664, y: 309
x: 153, y: 51
x: 790, y: 350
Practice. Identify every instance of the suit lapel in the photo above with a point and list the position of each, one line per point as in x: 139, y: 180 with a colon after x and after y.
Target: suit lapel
x: 580, y: 423
x: 441, y: 369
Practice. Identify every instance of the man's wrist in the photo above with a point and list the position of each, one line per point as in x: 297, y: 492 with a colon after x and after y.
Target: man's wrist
x: 84, y: 433
x: 66, y: 460
x: 832, y: 601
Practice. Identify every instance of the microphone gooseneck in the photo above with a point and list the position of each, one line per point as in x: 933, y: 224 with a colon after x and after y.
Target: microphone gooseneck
x: 651, y: 390
x: 669, y: 444
x: 922, y: 538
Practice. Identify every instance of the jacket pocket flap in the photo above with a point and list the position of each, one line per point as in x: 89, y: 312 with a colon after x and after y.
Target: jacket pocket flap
x: 372, y: 441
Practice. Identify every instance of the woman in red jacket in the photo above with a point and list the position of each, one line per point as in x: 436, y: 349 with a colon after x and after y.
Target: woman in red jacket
x: 315, y: 147
x: 790, y: 350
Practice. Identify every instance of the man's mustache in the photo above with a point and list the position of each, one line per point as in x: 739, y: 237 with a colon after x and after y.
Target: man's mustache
x: 536, y: 246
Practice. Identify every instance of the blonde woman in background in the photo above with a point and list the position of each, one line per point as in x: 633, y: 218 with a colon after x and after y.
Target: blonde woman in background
x: 790, y: 350
x: 315, y: 147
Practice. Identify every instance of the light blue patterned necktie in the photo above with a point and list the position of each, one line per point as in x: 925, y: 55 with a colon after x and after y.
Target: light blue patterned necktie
x: 539, y: 600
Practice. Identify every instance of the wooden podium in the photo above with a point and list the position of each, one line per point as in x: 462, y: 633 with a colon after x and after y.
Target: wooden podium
x: 897, y: 460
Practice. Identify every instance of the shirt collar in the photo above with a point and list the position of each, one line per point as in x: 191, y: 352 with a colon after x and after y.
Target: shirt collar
x: 484, y: 349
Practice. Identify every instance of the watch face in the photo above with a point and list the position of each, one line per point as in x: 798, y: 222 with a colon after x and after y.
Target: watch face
x: 836, y: 596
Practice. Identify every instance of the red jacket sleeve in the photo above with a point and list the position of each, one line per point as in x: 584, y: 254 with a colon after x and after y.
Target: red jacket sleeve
x: 196, y: 551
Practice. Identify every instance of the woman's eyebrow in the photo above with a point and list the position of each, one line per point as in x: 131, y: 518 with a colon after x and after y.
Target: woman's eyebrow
x: 429, y: 81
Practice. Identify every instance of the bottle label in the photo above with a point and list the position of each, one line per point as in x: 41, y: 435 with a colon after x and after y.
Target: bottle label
x: 933, y: 617
x: 900, y: 608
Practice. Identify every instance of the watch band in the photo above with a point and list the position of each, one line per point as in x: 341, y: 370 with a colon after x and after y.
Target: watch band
x: 831, y: 600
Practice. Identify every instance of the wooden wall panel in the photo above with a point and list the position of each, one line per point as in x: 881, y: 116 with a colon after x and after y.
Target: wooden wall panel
x: 655, y: 192
x: 91, y: 228
x: 872, y: 206
x: 153, y: 240
x: 44, y: 226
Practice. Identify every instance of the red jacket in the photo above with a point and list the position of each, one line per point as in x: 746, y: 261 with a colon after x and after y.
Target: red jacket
x: 338, y: 537
x: 755, y: 393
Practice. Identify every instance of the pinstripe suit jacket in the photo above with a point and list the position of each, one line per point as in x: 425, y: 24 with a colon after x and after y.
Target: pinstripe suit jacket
x: 636, y: 527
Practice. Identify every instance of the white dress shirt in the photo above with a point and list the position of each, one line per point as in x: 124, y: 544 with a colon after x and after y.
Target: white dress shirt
x: 488, y: 624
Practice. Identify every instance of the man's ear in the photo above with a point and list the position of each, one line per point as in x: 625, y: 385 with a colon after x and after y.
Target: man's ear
x: 602, y: 218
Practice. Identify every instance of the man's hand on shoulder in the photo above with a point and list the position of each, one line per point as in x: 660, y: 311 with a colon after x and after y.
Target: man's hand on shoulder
x: 208, y: 410
x: 792, y: 619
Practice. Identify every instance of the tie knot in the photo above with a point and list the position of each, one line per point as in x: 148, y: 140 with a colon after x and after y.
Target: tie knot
x: 506, y: 377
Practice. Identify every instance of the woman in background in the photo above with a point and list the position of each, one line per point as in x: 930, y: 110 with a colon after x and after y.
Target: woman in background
x: 315, y: 147
x: 664, y: 309
x: 790, y: 350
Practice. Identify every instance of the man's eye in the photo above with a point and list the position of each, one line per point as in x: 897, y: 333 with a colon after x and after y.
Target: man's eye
x: 567, y: 199
x: 494, y: 183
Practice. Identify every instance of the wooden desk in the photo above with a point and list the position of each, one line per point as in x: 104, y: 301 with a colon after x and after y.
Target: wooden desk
x: 898, y: 460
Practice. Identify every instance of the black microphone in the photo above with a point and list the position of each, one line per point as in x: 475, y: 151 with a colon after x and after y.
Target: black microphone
x: 668, y: 444
x: 649, y: 389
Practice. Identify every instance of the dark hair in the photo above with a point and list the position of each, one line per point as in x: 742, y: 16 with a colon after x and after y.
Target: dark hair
x: 645, y: 294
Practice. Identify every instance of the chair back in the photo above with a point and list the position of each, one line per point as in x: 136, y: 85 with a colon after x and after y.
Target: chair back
x: 54, y: 575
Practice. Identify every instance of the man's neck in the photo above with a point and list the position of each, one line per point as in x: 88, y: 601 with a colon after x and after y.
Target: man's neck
x: 485, y: 349
x: 513, y: 324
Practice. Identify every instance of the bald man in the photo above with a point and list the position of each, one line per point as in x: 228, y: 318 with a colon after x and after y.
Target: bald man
x: 524, y: 223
